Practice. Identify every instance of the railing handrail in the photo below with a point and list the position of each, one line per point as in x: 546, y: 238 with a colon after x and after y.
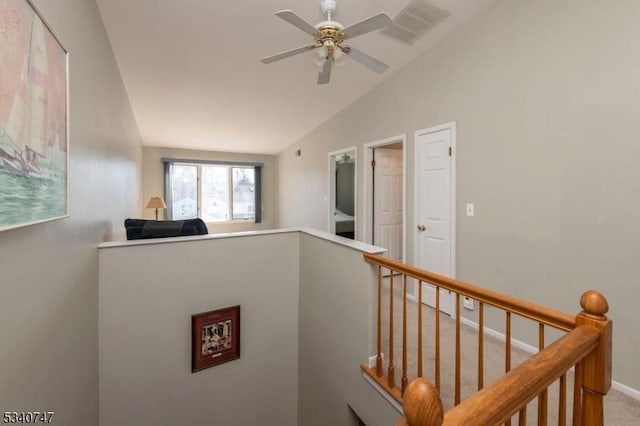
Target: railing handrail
x: 524, y: 309
x: 506, y: 396
x: 515, y: 389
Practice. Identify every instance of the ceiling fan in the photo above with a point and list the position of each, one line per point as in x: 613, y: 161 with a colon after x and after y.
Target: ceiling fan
x: 328, y: 38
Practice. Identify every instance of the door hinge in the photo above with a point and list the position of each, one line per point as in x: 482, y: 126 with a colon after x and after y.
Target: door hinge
x: 450, y: 151
x: 373, y: 163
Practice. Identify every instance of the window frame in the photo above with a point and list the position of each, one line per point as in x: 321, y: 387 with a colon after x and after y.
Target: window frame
x: 230, y: 165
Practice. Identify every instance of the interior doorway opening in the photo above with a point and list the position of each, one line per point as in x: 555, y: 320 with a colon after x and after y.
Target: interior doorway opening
x: 342, y: 193
x: 385, y: 196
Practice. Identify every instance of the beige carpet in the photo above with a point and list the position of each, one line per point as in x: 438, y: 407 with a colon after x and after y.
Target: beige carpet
x: 619, y: 408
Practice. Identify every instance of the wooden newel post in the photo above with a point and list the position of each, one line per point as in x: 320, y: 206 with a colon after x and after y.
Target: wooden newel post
x: 422, y: 405
x: 596, y: 371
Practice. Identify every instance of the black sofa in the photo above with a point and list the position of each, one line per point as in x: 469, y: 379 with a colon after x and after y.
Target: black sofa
x: 138, y: 229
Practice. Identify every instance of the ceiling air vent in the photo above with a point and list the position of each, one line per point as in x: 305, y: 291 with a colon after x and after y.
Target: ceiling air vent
x: 414, y: 20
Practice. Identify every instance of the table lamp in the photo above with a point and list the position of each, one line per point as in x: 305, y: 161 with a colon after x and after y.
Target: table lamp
x: 156, y: 203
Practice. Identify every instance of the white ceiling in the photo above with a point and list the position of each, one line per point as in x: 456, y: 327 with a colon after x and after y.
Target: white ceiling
x: 192, y: 71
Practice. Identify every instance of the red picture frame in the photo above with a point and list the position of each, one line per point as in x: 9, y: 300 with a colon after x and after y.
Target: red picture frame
x: 215, y: 337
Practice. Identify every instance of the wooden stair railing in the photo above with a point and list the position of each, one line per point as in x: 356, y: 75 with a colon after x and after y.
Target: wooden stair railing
x: 587, y: 346
x: 507, y: 396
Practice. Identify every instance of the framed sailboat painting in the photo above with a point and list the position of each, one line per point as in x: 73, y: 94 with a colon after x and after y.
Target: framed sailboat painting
x: 34, y: 117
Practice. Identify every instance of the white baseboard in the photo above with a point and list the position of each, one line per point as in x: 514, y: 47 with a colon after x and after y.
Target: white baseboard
x: 627, y: 390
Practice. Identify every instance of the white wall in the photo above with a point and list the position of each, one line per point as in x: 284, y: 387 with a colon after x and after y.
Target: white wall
x: 153, y: 183
x: 148, y: 293
x: 49, y: 272
x: 546, y: 96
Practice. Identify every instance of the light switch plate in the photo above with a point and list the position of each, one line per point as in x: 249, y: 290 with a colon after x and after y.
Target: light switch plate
x: 470, y: 209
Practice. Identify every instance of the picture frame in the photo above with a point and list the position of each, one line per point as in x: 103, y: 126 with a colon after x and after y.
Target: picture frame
x: 215, y: 337
x: 34, y: 118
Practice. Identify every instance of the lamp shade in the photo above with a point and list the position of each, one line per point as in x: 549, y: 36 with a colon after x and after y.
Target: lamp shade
x: 156, y: 203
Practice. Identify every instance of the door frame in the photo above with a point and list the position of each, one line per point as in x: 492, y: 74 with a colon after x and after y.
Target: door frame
x: 367, y: 220
x: 416, y: 198
x: 331, y: 190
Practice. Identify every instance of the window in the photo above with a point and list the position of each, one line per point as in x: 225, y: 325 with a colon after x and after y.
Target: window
x: 213, y: 191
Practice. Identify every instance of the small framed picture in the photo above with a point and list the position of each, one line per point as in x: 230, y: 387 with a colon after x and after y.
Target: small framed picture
x: 215, y: 337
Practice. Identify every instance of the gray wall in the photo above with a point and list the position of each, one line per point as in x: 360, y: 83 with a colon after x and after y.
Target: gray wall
x: 147, y: 296
x: 307, y: 324
x: 336, y: 335
x: 49, y: 284
x: 153, y: 183
x: 546, y: 96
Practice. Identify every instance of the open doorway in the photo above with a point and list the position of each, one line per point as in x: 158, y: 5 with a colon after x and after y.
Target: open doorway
x: 385, y: 196
x: 342, y: 193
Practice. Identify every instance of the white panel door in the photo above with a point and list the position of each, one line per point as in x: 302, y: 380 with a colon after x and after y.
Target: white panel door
x: 387, y: 211
x: 434, y: 215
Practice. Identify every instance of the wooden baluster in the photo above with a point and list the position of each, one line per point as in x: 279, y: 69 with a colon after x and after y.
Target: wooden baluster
x: 457, y: 378
x: 596, y: 371
x: 577, y: 395
x: 562, y: 401
x: 507, y: 352
x: 542, y: 399
x: 391, y: 370
x: 522, y: 417
x: 404, y: 382
x: 437, y: 366
x: 481, y: 346
x: 507, y: 357
x: 542, y: 408
x: 379, y: 355
x: 419, y: 328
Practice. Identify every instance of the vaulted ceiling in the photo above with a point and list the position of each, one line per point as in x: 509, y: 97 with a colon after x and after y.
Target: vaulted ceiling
x: 194, y: 78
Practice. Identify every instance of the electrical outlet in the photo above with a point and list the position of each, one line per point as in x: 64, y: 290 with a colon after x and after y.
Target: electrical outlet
x: 470, y: 209
x: 467, y: 302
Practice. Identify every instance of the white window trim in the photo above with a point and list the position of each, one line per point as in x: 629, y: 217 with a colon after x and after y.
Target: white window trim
x: 230, y: 165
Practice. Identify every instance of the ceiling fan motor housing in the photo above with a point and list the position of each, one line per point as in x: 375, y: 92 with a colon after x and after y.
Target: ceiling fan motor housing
x: 331, y: 33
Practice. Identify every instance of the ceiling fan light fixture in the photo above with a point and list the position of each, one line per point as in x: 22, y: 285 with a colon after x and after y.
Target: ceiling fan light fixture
x: 338, y: 57
x: 322, y: 52
x: 319, y: 56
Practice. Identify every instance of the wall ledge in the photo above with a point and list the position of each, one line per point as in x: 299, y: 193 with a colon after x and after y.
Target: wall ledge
x: 356, y: 245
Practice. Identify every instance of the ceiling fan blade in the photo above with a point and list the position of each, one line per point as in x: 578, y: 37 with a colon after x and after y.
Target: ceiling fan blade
x: 323, y: 76
x: 368, y: 61
x: 287, y: 53
x: 376, y: 22
x: 293, y: 19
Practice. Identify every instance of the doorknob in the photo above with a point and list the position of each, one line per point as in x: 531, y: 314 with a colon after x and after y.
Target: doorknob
x: 422, y: 228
